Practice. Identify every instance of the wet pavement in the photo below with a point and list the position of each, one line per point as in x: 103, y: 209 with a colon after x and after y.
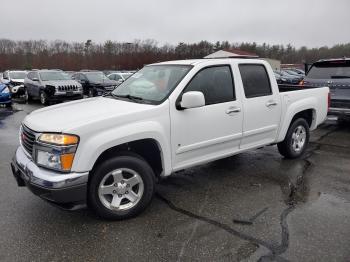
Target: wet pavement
x: 255, y: 206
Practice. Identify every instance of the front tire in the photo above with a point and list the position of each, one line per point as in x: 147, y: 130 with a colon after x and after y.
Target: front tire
x: 43, y: 98
x: 91, y: 92
x: 121, y: 187
x: 296, y: 140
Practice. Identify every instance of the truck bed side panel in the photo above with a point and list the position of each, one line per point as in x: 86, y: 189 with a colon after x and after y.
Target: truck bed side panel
x: 294, y: 102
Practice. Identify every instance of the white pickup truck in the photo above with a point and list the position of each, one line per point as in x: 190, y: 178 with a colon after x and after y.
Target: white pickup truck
x: 108, y: 152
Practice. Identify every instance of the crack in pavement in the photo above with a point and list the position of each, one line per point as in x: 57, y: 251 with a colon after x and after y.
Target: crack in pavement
x: 213, y: 222
x: 293, y: 200
x: 194, y: 229
x: 275, y: 251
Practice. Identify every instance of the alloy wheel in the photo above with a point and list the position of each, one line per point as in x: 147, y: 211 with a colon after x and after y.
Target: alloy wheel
x: 298, y: 138
x: 121, y: 189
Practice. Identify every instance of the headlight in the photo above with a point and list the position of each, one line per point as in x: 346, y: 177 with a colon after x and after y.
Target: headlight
x: 55, y: 160
x: 59, y: 139
x: 283, y: 79
x: 56, y: 151
x: 6, y: 90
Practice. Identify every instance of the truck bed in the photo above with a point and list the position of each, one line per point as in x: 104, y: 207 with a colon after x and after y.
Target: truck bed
x: 286, y: 88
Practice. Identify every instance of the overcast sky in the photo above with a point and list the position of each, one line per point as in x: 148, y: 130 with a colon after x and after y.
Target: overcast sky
x: 312, y: 23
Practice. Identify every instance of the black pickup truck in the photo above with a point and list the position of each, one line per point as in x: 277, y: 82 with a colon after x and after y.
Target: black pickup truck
x: 334, y: 73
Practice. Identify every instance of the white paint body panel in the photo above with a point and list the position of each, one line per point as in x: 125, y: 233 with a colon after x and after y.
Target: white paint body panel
x: 185, y: 137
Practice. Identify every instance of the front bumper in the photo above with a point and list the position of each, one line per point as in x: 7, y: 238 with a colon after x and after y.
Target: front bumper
x: 65, y: 97
x: 65, y: 190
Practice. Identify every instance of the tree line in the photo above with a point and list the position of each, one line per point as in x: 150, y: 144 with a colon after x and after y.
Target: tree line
x: 123, y: 55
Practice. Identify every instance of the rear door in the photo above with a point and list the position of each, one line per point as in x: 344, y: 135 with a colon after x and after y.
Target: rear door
x: 29, y: 83
x: 205, y: 133
x: 35, y: 85
x: 262, y: 107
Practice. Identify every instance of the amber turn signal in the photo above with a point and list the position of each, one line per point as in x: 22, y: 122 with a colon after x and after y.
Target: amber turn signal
x: 67, y: 161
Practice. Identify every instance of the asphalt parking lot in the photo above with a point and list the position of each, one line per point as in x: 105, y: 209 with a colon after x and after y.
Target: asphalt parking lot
x: 250, y: 207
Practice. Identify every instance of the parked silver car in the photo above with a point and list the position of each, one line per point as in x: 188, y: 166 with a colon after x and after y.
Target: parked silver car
x: 51, y: 85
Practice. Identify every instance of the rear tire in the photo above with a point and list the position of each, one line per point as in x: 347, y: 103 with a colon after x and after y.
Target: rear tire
x: 296, y: 140
x: 121, y: 187
x: 27, y: 97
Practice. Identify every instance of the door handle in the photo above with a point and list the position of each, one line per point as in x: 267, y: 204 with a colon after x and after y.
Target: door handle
x: 233, y: 110
x: 271, y: 103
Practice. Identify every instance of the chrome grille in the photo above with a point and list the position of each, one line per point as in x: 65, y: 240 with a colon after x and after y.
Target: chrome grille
x: 27, y: 139
x: 68, y: 88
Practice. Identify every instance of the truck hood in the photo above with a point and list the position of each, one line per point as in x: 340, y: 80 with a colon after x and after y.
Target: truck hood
x: 104, y: 83
x: 72, y: 115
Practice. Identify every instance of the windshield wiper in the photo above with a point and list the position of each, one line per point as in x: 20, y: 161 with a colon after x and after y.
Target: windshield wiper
x: 334, y: 77
x: 128, y: 96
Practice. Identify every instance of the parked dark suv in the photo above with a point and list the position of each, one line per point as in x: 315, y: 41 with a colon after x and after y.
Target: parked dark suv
x: 95, y: 83
x: 334, y: 73
x: 51, y: 85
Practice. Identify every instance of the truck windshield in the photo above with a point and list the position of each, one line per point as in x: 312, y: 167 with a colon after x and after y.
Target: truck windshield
x: 54, y: 76
x: 330, y: 70
x: 18, y: 75
x: 153, y: 83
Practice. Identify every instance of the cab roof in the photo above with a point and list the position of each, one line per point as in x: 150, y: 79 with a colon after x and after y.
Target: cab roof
x: 204, y: 60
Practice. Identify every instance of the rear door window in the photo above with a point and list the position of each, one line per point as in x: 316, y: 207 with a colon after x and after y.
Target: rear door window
x: 255, y: 80
x: 117, y: 77
x: 30, y: 75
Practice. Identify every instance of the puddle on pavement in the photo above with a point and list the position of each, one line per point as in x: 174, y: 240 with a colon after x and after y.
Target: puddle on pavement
x: 6, y: 112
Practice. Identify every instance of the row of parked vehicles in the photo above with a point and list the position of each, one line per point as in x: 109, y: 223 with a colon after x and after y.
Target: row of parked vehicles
x: 289, y: 76
x: 56, y: 85
x: 52, y: 85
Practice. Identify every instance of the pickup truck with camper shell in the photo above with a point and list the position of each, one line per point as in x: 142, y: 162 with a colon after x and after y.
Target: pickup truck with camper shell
x: 108, y: 152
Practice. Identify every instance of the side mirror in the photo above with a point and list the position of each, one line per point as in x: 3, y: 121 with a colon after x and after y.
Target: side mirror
x: 192, y: 99
x: 35, y: 79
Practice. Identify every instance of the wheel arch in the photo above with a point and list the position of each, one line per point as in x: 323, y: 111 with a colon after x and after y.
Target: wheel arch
x: 309, y: 114
x: 147, y: 148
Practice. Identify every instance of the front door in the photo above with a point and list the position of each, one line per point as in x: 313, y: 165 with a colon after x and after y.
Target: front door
x: 209, y: 132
